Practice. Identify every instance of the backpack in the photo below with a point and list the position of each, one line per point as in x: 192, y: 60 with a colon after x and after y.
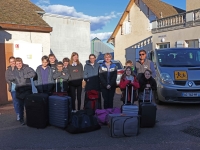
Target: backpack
x: 83, y: 121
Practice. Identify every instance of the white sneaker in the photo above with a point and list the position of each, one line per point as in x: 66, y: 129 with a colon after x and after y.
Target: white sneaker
x: 18, y: 117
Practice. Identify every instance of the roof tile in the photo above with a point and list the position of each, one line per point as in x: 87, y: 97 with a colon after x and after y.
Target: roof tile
x: 21, y: 12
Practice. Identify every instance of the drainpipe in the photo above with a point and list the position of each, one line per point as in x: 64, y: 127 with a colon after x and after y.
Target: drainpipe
x: 92, y: 46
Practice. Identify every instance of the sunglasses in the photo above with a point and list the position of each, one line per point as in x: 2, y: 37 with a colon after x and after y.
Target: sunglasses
x: 142, y: 54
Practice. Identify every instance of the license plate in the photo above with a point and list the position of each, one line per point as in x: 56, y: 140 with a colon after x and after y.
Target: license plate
x: 191, y: 94
x: 180, y: 75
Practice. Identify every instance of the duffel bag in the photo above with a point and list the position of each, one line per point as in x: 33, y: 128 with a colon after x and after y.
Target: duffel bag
x: 83, y: 121
x: 102, y: 114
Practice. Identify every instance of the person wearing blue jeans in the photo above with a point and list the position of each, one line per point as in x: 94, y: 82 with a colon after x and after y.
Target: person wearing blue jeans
x: 21, y: 77
x: 11, y: 85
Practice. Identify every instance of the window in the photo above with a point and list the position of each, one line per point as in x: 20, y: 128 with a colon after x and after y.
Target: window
x: 163, y: 45
x: 178, y: 57
x: 193, y: 43
x: 126, y: 28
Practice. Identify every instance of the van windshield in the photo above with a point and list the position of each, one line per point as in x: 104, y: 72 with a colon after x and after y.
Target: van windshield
x: 179, y: 57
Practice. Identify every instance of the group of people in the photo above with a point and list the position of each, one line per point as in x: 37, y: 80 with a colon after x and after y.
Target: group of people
x: 67, y: 76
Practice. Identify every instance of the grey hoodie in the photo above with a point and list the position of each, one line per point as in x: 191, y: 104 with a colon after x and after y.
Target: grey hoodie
x: 91, y: 76
x: 22, y: 77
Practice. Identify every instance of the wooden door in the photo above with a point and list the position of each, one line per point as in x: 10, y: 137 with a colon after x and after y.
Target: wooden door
x: 6, y: 50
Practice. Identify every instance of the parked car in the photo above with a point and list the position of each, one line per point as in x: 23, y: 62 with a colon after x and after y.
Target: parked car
x: 177, y: 78
x: 120, y: 69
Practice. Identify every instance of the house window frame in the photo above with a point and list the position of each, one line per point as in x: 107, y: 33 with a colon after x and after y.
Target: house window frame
x: 167, y: 44
x: 196, y: 45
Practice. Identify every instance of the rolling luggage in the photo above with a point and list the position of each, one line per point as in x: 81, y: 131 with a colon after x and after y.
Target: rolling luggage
x: 121, y: 125
x: 59, y: 110
x: 92, y: 100
x: 147, y: 111
x: 129, y: 107
x: 36, y: 106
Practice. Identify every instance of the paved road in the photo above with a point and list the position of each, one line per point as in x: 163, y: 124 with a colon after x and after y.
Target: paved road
x: 166, y: 135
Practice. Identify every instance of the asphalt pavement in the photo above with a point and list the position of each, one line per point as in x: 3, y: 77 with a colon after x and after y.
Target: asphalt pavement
x: 178, y: 129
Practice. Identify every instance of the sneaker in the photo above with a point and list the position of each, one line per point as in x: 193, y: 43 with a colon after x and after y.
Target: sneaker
x: 18, y: 117
x: 22, y: 122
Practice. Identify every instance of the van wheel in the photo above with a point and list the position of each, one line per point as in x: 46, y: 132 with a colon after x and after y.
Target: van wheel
x: 157, y: 99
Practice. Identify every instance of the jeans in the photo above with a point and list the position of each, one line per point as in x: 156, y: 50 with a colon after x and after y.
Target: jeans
x: 21, y: 109
x: 15, y: 102
x: 76, y: 91
x: 108, y: 95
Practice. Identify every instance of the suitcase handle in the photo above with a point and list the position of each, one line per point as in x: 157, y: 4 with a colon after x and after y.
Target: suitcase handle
x: 57, y: 86
x: 149, y: 94
x: 126, y: 98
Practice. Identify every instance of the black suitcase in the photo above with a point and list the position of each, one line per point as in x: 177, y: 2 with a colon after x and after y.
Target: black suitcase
x: 59, y: 110
x: 92, y: 100
x: 36, y: 106
x: 147, y: 112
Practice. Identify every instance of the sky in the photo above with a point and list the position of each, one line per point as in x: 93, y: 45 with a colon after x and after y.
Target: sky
x: 103, y: 14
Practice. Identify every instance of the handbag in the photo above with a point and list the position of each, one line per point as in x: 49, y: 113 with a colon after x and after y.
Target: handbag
x: 102, y: 114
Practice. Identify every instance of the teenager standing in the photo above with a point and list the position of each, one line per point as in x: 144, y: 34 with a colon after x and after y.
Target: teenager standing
x: 12, y: 85
x: 21, y: 77
x: 108, y: 76
x: 44, y: 80
x: 75, y: 69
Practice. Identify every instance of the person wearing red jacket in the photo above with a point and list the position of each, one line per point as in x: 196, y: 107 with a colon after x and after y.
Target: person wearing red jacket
x: 128, y: 80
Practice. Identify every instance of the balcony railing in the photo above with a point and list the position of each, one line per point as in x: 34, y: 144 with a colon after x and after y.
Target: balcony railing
x: 177, y: 20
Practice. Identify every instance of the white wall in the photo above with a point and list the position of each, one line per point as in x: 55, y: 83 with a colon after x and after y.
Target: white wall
x: 69, y: 35
x: 31, y: 37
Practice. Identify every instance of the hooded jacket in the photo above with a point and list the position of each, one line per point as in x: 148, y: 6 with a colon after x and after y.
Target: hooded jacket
x: 38, y: 79
x: 91, y: 76
x: 22, y: 80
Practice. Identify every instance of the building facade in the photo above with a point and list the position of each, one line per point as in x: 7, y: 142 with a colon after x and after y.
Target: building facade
x: 133, y: 31
x: 19, y: 21
x: 99, y: 49
x: 182, y: 30
x: 69, y: 35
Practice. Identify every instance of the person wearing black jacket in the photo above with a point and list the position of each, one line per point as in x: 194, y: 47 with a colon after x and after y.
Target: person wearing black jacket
x: 108, y: 76
x: 147, y: 82
x: 75, y: 69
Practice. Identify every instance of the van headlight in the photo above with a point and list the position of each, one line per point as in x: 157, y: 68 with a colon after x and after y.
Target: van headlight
x: 166, y: 79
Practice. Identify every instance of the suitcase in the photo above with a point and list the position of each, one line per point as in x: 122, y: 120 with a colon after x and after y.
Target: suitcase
x: 59, y: 110
x: 36, y: 106
x: 129, y: 108
x: 123, y: 125
x: 92, y: 100
x: 147, y: 112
